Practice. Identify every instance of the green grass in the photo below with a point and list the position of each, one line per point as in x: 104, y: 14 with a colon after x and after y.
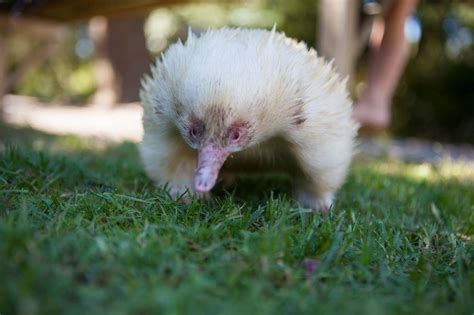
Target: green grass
x: 83, y: 231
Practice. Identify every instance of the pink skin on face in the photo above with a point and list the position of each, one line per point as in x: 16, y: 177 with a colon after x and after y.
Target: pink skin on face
x: 211, y: 157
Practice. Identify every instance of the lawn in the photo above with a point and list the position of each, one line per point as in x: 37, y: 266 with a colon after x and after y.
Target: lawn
x: 83, y: 231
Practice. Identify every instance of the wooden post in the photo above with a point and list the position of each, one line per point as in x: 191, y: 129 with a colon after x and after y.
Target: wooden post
x: 3, y: 62
x: 121, y: 58
x: 107, y: 86
x: 338, y: 33
x: 126, y: 48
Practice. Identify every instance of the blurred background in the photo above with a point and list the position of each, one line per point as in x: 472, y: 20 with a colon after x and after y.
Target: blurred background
x: 68, y: 60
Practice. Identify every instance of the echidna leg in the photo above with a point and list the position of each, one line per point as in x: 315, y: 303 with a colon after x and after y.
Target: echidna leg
x: 171, y: 165
x: 323, y: 173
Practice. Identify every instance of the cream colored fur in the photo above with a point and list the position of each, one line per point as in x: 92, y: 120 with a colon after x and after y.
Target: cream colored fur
x: 295, y: 100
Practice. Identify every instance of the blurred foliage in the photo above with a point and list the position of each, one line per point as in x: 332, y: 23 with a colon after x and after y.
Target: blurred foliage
x: 64, y: 77
x: 434, y: 99
x: 298, y: 18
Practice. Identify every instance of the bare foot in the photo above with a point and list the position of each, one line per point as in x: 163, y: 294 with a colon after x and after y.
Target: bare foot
x: 373, y: 116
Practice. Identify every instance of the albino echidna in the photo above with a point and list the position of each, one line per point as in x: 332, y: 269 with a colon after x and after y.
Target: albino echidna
x: 256, y: 95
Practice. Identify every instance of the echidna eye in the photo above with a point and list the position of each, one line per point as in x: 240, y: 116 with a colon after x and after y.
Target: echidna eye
x: 235, y: 135
x: 195, y: 131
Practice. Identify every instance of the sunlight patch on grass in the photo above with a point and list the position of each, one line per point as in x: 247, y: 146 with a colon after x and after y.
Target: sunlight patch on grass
x: 444, y: 170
